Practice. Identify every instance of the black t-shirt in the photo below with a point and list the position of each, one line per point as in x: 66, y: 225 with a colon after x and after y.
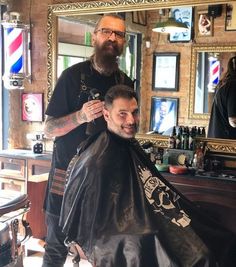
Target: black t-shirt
x: 224, y: 106
x: 70, y: 93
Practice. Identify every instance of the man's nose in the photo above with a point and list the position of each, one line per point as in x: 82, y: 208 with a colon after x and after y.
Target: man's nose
x: 112, y: 37
x: 131, y: 119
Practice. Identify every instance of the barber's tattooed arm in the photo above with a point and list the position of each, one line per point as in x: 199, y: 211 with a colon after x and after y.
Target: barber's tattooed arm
x: 55, y: 127
x: 60, y: 126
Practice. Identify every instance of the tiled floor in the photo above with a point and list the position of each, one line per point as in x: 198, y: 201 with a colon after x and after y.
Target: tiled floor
x: 36, y: 261
x: 33, y: 258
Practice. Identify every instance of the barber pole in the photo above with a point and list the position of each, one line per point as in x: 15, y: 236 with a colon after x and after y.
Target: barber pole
x: 214, y: 73
x: 16, y: 50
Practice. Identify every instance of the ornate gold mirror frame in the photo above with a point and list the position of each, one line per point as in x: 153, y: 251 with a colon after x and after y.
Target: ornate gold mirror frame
x: 195, y: 50
x: 213, y: 145
x: 96, y: 7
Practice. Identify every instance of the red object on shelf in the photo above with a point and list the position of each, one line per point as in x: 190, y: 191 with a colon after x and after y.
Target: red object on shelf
x: 178, y: 169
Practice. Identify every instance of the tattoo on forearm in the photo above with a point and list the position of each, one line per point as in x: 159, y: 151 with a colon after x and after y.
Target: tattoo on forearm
x: 57, y: 124
x: 82, y: 116
x: 74, y: 119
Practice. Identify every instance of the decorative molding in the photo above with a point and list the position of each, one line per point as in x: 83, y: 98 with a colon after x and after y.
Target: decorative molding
x: 157, y: 140
x: 213, y: 145
x: 5, y: 2
x: 223, y: 146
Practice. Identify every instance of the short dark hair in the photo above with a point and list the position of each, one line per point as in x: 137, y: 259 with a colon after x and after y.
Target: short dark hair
x: 112, y: 15
x: 119, y: 91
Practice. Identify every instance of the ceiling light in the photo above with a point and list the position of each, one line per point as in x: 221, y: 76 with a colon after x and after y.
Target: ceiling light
x: 170, y: 26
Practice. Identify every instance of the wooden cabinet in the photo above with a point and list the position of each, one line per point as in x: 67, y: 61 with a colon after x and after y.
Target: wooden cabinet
x: 12, y: 174
x: 24, y: 171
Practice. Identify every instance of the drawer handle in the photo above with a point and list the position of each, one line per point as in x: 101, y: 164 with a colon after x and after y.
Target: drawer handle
x: 11, y: 182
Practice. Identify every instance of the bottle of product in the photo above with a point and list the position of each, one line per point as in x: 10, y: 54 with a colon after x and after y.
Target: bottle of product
x: 203, y: 132
x: 198, y: 133
x: 166, y: 157
x: 178, y: 141
x: 191, y: 140
x: 171, y: 141
x: 181, y: 137
x: 174, y: 132
x: 185, y: 138
x: 200, y: 156
x: 194, y: 164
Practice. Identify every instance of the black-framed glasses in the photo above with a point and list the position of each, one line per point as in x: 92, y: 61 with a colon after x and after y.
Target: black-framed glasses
x: 108, y: 32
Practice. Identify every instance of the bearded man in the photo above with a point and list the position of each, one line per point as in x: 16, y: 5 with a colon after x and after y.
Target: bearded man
x: 73, y: 114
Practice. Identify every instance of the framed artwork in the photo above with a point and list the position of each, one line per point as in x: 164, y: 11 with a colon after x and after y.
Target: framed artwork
x: 184, y: 15
x: 164, y: 114
x: 165, y: 75
x: 32, y: 107
x: 139, y: 17
x: 203, y: 24
x: 230, y: 18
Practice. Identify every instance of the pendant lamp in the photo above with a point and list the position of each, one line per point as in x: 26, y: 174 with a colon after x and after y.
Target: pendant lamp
x: 170, y: 26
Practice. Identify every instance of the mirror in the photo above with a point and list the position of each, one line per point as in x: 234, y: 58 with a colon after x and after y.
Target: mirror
x: 208, y: 64
x: 71, y: 10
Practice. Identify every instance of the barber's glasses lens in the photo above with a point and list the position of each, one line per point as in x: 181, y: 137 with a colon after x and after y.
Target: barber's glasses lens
x: 108, y: 33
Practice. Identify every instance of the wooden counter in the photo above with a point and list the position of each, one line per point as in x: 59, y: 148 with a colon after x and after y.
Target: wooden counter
x: 217, y: 197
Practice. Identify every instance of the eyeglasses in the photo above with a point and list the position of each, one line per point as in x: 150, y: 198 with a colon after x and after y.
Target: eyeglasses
x: 108, y: 32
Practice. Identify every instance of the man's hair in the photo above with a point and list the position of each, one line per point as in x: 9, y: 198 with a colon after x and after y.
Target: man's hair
x: 112, y: 15
x: 230, y: 73
x: 232, y: 66
x: 119, y: 91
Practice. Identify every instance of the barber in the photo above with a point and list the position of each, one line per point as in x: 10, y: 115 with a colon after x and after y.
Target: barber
x: 73, y: 114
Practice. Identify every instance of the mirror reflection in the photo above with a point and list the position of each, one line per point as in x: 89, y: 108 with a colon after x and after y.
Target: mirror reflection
x: 209, y: 64
x: 194, y: 104
x: 75, y: 44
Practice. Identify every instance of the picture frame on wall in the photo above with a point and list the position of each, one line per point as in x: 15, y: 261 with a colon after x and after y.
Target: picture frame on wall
x: 230, y: 18
x: 184, y: 15
x: 203, y: 24
x: 164, y: 114
x: 32, y: 107
x: 165, y: 75
x: 139, y: 17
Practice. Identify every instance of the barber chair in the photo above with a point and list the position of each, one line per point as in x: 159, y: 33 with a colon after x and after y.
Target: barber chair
x: 12, y: 213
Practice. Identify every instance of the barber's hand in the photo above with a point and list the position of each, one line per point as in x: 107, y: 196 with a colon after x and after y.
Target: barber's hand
x: 91, y: 110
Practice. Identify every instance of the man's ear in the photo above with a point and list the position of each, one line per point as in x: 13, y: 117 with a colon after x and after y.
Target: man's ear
x: 105, y: 113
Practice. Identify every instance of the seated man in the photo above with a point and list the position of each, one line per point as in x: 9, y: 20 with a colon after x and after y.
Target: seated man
x: 123, y: 213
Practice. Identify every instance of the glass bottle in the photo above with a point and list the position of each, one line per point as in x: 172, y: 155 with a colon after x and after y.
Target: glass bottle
x: 178, y: 141
x: 166, y: 156
x: 171, y: 141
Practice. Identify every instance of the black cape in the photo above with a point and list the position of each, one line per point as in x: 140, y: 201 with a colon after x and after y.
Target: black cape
x: 122, y: 212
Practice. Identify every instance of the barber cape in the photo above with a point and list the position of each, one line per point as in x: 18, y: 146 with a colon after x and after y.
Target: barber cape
x: 123, y: 213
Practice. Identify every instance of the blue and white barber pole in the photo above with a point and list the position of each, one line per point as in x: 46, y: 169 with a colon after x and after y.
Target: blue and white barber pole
x: 16, y: 53
x: 214, y: 73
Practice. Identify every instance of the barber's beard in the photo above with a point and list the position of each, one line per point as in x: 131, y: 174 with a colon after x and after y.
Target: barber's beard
x: 106, y: 57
